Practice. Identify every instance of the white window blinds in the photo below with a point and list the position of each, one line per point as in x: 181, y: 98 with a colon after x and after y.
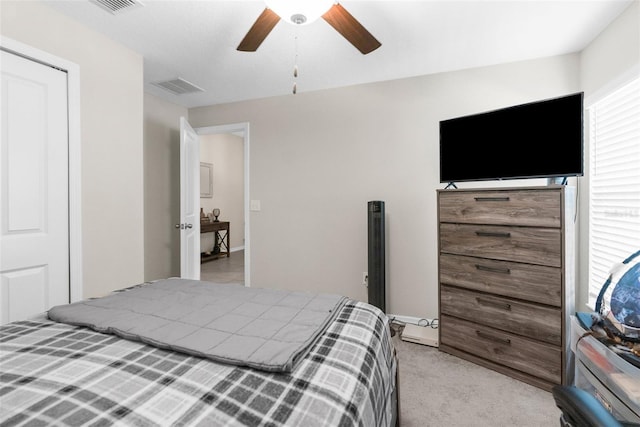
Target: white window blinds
x: 614, y: 217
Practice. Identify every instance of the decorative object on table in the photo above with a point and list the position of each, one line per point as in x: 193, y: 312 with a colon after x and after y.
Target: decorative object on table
x: 619, y: 298
x: 216, y: 214
x: 203, y: 216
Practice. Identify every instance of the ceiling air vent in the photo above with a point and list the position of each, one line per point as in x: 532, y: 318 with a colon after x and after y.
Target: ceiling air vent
x: 178, y: 86
x: 118, y: 6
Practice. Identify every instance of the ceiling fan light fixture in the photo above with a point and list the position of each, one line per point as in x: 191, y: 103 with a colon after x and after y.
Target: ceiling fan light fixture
x: 299, y: 12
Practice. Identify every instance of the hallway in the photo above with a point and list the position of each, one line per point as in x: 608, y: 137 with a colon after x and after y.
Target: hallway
x: 224, y: 270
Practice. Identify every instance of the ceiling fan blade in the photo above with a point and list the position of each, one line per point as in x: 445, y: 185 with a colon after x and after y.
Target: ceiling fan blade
x: 259, y: 31
x: 351, y: 29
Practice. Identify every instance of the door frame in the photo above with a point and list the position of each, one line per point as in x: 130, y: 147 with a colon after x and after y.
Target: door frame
x: 244, y: 129
x: 75, y: 201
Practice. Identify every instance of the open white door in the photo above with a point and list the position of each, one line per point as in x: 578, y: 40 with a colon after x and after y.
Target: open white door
x: 189, y: 202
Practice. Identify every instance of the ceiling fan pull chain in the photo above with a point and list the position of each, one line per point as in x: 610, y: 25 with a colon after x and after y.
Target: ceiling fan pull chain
x: 295, y: 65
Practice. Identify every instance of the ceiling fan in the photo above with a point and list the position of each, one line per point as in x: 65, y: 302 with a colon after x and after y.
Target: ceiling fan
x: 294, y: 12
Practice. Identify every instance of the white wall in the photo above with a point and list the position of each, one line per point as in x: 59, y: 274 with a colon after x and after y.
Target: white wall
x: 317, y: 158
x: 161, y: 187
x: 111, y: 137
x: 226, y: 152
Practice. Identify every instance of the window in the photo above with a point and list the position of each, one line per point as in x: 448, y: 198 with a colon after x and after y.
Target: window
x: 614, y: 211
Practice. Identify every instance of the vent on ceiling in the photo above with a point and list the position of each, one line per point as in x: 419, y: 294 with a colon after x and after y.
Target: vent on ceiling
x: 178, y: 86
x: 118, y: 6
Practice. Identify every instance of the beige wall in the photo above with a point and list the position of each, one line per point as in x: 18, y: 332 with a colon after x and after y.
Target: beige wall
x: 317, y: 158
x: 161, y: 187
x: 111, y: 139
x: 226, y: 152
x: 613, y: 55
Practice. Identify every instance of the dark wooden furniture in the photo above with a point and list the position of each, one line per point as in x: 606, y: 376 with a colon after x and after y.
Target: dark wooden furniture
x: 221, y: 232
x: 506, y: 290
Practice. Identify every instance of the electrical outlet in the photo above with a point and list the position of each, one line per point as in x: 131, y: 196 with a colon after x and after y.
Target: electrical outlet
x: 365, y: 278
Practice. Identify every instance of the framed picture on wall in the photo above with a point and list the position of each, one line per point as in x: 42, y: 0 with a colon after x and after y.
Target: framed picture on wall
x: 206, y: 179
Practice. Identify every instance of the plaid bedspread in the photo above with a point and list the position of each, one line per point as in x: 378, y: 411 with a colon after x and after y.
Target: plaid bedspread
x: 57, y: 374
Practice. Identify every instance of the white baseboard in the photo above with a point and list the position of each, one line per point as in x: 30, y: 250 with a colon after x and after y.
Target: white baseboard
x: 236, y: 249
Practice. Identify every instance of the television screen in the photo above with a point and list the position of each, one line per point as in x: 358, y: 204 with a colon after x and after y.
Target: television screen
x: 540, y: 139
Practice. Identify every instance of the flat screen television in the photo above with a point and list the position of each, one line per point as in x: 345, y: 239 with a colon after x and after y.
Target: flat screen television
x: 542, y: 139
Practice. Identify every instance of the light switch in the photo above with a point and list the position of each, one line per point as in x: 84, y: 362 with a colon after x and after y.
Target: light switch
x: 255, y: 205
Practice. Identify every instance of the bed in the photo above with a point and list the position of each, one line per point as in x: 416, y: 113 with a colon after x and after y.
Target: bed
x: 66, y: 374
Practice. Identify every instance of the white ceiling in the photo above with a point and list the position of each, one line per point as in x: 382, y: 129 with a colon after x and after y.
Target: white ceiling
x: 196, y: 40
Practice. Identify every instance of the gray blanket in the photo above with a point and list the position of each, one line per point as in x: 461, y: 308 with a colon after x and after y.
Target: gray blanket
x: 264, y: 329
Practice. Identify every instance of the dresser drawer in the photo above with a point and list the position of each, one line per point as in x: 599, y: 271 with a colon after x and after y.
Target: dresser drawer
x: 534, y: 358
x: 542, y: 246
x: 529, y: 320
x: 537, y: 208
x: 529, y: 282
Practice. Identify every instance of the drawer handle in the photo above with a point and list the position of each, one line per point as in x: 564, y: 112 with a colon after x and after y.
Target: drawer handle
x: 502, y: 305
x: 492, y: 234
x: 493, y: 338
x: 493, y: 269
x: 491, y: 199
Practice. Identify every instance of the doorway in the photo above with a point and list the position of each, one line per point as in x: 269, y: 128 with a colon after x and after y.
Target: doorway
x: 224, y: 149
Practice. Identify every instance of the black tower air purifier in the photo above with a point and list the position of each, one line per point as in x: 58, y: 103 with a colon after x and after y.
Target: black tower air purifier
x: 376, y: 281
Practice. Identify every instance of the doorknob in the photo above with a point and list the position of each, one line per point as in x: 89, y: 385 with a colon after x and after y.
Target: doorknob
x: 188, y: 225
x: 177, y: 225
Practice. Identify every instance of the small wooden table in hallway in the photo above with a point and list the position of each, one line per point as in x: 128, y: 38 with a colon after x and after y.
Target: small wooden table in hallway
x: 221, y: 233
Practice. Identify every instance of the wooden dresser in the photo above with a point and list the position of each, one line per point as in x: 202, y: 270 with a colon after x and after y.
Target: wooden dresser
x: 506, y: 279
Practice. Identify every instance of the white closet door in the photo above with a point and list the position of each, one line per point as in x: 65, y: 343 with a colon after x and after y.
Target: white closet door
x: 34, y: 206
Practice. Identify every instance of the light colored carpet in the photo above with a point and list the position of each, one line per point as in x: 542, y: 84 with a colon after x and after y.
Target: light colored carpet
x: 438, y: 389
